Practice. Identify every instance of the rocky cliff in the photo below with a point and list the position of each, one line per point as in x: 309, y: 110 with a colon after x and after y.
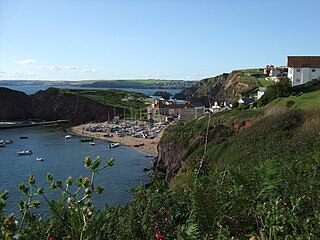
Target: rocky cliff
x: 15, y: 105
x: 223, y: 88
x: 51, y: 104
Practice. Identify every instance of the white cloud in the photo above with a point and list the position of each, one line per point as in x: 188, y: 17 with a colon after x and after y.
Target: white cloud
x: 54, y: 68
x: 89, y: 70
x: 25, y: 62
x: 72, y: 68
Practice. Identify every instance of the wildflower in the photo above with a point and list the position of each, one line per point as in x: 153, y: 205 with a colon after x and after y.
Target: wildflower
x: 99, y: 189
x: 69, y: 181
x: 88, y: 191
x: 86, y: 181
x: 39, y: 191
x: 51, y: 238
x: 159, y: 236
x: 9, y: 235
x: 4, y: 195
x: 31, y: 180
x: 49, y: 176
x: 87, y: 162
x: 7, y: 221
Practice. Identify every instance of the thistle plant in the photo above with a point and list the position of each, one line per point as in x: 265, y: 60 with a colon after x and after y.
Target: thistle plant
x: 72, y: 213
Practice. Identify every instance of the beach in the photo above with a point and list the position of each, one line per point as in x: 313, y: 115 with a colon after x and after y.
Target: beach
x: 149, y: 146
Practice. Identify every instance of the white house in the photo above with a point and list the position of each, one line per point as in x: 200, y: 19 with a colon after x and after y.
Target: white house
x: 260, y: 92
x: 302, y: 69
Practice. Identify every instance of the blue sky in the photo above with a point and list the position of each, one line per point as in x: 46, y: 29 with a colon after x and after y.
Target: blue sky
x: 162, y: 39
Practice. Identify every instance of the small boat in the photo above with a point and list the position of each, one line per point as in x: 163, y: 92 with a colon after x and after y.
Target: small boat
x: 40, y: 159
x: 23, y: 137
x: 2, y: 145
x: 86, y: 140
x: 25, y: 152
x: 139, y: 145
x: 113, y: 145
x: 92, y: 144
x: 6, y: 141
x: 67, y: 137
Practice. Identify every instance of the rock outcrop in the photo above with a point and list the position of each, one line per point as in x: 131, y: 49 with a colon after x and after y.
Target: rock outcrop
x: 15, y: 105
x: 51, y: 104
x: 223, y: 88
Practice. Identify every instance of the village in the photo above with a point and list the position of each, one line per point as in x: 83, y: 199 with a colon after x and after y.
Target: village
x: 145, y: 135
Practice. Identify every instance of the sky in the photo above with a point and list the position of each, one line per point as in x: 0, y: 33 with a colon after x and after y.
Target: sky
x: 151, y: 39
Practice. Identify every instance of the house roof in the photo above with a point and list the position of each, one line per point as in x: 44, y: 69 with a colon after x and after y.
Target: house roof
x: 304, y: 61
x: 247, y: 100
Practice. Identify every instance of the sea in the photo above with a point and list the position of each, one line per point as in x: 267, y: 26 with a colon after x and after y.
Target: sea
x: 30, y: 89
x: 64, y: 158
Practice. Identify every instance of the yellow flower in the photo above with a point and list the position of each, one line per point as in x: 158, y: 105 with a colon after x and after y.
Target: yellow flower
x: 7, y: 221
x: 9, y: 234
x: 86, y: 181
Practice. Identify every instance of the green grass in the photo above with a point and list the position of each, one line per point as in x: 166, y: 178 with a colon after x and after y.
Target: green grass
x: 300, y: 101
x: 264, y: 82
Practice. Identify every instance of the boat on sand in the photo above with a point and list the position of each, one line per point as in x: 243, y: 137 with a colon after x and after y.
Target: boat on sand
x: 113, y: 145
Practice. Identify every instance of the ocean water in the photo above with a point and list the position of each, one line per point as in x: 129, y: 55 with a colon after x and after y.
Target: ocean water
x: 28, y: 89
x: 64, y: 158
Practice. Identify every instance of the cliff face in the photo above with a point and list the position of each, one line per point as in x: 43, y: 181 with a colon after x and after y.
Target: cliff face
x: 223, y: 88
x: 51, y: 104
x: 173, y: 152
x: 14, y: 105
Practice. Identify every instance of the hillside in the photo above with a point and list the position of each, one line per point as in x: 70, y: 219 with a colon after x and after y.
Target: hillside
x: 240, y: 174
x: 77, y: 106
x: 148, y: 83
x: 227, y: 87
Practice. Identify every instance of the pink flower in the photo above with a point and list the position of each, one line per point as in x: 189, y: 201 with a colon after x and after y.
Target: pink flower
x: 159, y: 236
x: 51, y: 238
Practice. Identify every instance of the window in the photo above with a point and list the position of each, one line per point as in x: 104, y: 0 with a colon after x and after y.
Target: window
x: 297, y: 80
x: 298, y: 69
x: 313, y: 70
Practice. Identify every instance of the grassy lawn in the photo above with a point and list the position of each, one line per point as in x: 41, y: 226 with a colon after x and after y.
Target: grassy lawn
x: 264, y: 82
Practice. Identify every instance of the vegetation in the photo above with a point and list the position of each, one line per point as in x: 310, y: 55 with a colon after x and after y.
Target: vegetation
x: 130, y: 104
x: 249, y: 174
x: 146, y: 83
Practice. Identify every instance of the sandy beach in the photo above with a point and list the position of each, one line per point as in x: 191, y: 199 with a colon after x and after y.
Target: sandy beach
x: 149, y: 145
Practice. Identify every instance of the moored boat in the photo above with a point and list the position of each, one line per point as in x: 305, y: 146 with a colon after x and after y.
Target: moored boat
x: 139, y: 145
x: 86, y: 140
x: 23, y: 137
x: 6, y: 141
x: 2, y: 145
x: 25, y: 152
x: 40, y: 159
x: 67, y: 137
x: 92, y: 144
x: 113, y: 145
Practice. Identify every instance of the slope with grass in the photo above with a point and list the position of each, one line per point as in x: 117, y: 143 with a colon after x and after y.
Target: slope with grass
x: 227, y: 87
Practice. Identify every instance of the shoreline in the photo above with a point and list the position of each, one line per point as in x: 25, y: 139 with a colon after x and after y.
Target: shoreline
x: 148, y: 146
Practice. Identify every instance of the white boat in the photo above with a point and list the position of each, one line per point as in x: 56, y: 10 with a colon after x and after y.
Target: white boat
x: 2, y: 145
x: 6, y: 141
x: 113, y: 145
x: 40, y: 159
x: 67, y: 137
x: 92, y: 144
x: 25, y: 152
